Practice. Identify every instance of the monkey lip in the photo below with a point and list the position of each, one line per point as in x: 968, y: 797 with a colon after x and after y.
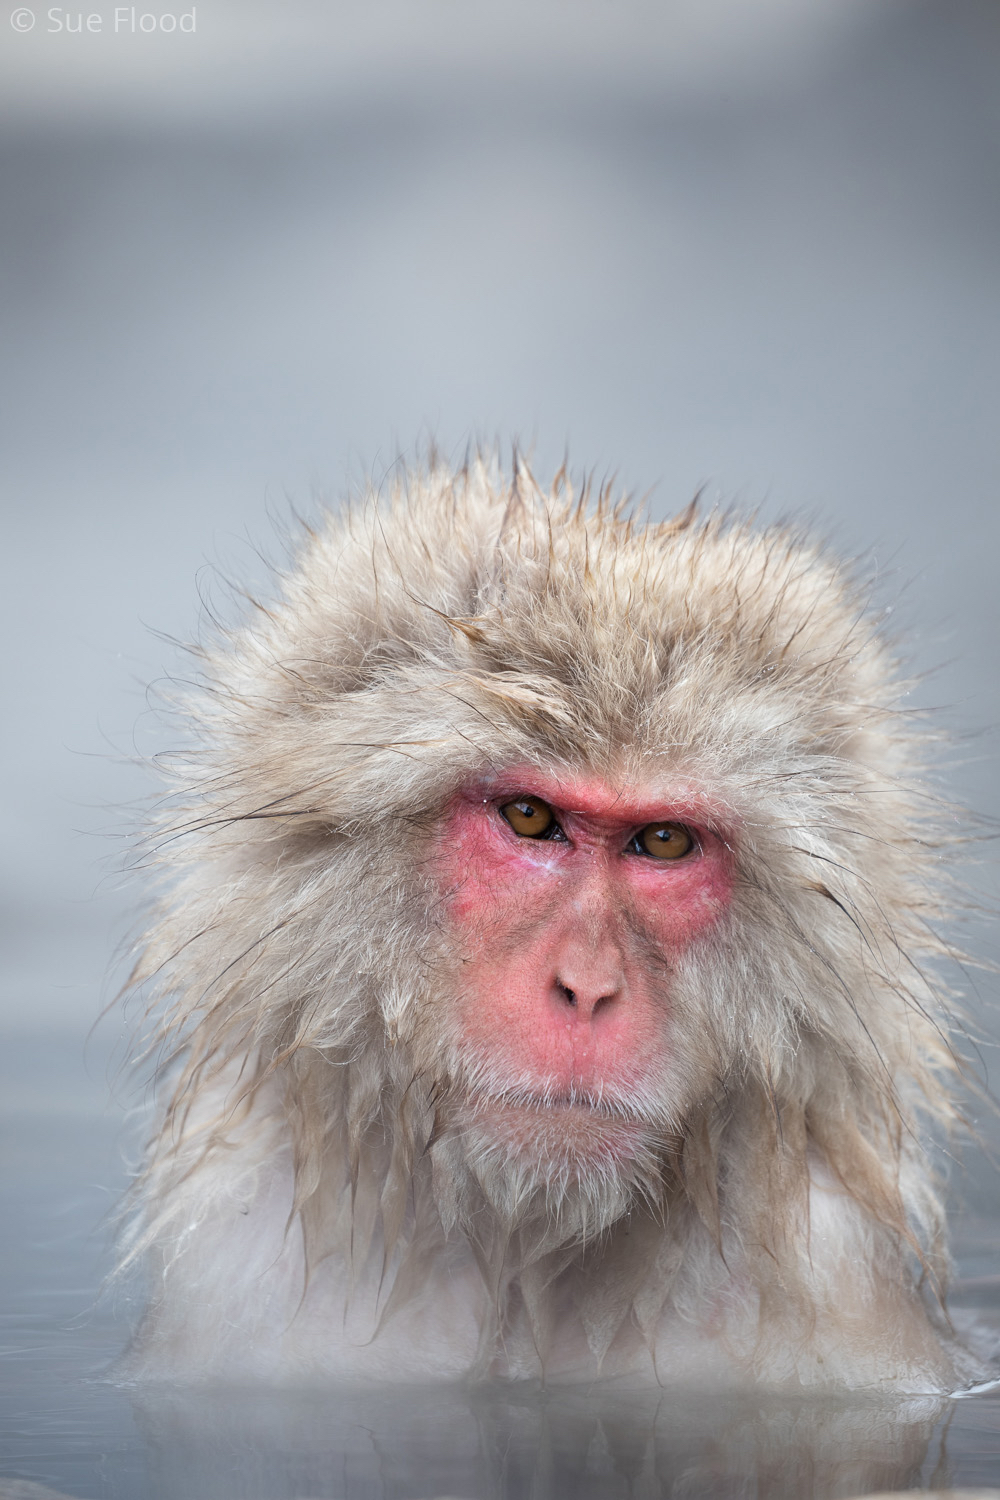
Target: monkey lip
x: 588, y: 1105
x: 576, y: 1128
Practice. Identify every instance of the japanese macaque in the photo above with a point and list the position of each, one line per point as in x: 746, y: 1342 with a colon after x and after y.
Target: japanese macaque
x: 546, y: 966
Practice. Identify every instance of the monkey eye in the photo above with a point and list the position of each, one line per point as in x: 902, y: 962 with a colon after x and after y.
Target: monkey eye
x: 531, y: 818
x: 663, y: 840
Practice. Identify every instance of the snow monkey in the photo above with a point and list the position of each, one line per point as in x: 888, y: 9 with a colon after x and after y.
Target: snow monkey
x: 545, y: 964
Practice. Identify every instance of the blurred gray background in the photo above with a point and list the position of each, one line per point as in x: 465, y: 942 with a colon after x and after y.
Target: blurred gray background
x: 750, y: 245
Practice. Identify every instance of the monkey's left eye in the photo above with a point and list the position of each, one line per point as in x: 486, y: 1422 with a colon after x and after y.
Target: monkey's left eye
x: 531, y: 818
x: 664, y: 840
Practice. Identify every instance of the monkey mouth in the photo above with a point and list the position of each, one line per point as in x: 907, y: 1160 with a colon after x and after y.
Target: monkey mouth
x: 573, y: 1101
x: 576, y: 1130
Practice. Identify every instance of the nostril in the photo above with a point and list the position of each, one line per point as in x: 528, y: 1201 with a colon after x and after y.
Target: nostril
x: 568, y: 995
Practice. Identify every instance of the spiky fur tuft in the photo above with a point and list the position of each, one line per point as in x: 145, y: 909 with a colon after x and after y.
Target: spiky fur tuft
x: 308, y: 1203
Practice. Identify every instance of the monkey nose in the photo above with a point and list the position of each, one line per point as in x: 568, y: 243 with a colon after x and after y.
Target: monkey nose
x: 584, y: 998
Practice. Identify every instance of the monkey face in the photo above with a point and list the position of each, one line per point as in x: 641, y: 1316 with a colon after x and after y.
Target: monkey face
x: 572, y: 903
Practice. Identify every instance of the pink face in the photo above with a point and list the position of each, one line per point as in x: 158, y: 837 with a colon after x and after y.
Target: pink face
x: 571, y: 902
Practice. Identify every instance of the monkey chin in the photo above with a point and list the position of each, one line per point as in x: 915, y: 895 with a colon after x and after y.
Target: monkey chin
x: 571, y: 1165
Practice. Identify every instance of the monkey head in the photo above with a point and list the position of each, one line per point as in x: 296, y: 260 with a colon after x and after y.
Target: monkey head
x: 538, y: 879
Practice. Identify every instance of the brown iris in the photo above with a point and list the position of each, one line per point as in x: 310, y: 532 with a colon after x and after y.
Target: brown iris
x: 530, y: 817
x: 665, y: 840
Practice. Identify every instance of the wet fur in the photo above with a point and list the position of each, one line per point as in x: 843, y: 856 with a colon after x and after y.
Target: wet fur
x: 309, y: 1206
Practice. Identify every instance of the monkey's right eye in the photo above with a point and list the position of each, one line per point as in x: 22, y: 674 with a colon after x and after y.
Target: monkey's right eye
x: 531, y: 818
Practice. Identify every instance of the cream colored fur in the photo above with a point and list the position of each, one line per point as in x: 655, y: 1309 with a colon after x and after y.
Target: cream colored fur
x: 312, y: 1203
